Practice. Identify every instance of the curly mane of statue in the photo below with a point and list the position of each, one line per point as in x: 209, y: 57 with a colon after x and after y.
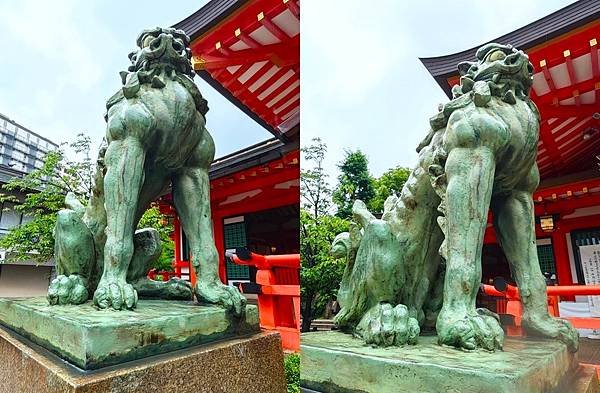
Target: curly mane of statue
x: 155, y: 138
x: 419, y: 266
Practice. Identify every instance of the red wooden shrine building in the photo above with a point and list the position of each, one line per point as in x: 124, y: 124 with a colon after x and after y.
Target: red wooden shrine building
x: 249, y: 51
x: 563, y: 48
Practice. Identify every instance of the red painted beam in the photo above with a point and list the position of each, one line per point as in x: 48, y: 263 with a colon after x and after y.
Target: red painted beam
x: 260, y: 72
x: 567, y: 92
x: 576, y: 40
x: 566, y: 111
x: 246, y: 39
x: 547, y: 75
x: 551, y: 148
x: 547, y: 192
x: 571, y: 73
x: 220, y: 193
x: 285, y: 53
x: 272, y: 27
x: 293, y: 79
x: 567, y: 205
x: 293, y: 7
x: 259, y: 204
x: 595, y: 66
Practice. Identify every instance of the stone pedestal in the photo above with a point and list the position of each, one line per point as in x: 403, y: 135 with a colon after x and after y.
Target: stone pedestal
x: 90, y: 338
x: 337, y: 362
x: 253, y: 364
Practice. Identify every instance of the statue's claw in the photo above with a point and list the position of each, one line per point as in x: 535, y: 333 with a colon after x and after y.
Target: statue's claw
x: 218, y: 293
x: 470, y: 332
x: 179, y: 289
x: 551, y: 327
x: 117, y: 294
x: 341, y: 318
x: 385, y: 325
x: 67, y: 290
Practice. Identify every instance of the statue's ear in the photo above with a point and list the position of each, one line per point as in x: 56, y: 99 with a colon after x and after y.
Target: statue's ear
x: 464, y: 66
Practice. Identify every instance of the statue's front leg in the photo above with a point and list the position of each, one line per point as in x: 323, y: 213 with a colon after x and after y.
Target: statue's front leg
x: 470, y: 174
x: 514, y: 223
x: 124, y: 162
x: 191, y: 196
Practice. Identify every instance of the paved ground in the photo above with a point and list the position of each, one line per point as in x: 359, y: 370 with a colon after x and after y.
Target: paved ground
x: 589, y: 351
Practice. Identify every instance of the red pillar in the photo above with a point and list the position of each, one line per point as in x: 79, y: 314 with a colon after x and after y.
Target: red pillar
x: 561, y: 257
x: 177, y: 239
x: 220, y: 244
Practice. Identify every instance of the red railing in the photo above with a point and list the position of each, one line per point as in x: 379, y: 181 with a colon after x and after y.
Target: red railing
x: 278, y: 289
x: 511, y: 303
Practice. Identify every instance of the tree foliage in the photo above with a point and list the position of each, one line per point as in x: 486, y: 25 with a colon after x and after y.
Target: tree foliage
x: 389, y: 183
x: 40, y: 194
x: 43, y: 192
x: 320, y: 273
x: 314, y: 189
x: 354, y: 182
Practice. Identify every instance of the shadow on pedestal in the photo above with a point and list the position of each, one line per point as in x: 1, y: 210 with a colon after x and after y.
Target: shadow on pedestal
x: 334, y: 362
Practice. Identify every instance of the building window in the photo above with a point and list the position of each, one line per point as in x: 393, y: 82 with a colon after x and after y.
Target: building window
x: 235, y: 236
x: 10, y: 218
x: 546, y: 258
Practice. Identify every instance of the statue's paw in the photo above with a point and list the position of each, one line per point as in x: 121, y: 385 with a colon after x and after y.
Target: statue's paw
x: 341, y: 318
x: 179, y: 289
x: 116, y: 294
x: 67, y: 290
x: 385, y: 325
x: 218, y: 293
x: 479, y: 330
x: 551, y: 327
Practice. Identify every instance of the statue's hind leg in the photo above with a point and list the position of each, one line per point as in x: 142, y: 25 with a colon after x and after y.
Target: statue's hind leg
x: 74, y: 257
x: 148, y: 248
x: 191, y: 188
x: 514, y: 223
x: 470, y: 173
x: 375, y: 303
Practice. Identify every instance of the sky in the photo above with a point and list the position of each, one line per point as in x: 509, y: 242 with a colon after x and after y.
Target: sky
x: 363, y: 86
x: 60, y: 62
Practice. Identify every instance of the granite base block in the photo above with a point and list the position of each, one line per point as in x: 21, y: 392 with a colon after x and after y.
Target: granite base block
x: 91, y: 338
x: 253, y: 364
x: 334, y: 362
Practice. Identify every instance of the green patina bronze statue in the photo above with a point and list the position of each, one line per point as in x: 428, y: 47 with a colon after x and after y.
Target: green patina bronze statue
x: 419, y: 266
x: 156, y: 137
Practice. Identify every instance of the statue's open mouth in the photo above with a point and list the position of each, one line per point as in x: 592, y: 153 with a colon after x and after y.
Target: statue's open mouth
x: 513, y: 66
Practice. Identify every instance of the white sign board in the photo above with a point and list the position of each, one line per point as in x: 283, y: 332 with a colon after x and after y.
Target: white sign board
x: 590, y: 264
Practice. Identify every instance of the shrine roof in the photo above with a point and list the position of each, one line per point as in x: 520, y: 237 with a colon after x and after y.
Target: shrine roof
x: 551, y: 26
x: 563, y: 48
x: 249, y: 51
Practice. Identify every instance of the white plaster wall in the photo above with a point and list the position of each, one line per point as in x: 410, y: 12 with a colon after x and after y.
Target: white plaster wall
x: 24, y: 281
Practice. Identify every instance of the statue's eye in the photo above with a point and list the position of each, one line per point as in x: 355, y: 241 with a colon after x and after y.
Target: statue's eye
x: 147, y: 41
x: 497, y: 55
x: 178, y: 45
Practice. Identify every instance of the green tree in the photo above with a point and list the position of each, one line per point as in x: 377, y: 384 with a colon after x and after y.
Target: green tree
x: 320, y: 274
x: 354, y: 182
x: 389, y: 183
x: 153, y: 218
x: 40, y: 194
